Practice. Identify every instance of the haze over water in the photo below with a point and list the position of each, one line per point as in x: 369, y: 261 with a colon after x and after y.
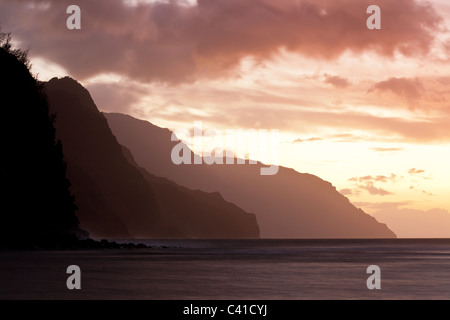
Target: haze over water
x: 235, y: 269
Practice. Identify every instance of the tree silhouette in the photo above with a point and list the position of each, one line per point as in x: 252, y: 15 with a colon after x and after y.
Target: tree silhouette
x: 21, y: 55
x: 37, y: 206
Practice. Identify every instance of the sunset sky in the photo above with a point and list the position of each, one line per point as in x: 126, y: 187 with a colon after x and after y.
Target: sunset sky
x: 367, y: 110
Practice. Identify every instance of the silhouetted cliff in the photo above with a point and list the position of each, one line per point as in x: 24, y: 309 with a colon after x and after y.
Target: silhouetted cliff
x: 37, y: 206
x: 117, y: 199
x: 287, y: 205
x: 196, y: 214
x: 113, y: 198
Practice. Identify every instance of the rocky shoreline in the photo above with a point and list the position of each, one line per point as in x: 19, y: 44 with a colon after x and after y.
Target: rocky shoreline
x: 71, y: 243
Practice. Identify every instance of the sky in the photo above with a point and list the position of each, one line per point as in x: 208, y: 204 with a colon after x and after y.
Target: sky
x: 367, y: 110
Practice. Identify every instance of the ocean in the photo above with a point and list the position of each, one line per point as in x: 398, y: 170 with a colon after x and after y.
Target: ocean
x: 235, y: 269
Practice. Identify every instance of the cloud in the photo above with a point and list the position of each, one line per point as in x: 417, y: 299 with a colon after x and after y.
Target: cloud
x: 427, y: 193
x: 340, y: 137
x: 433, y: 129
x: 415, y: 171
x: 116, y: 97
x: 354, y: 179
x: 410, y: 89
x: 302, y: 116
x: 346, y: 137
x: 367, y: 183
x: 369, y: 187
x: 387, y: 149
x: 419, y: 173
x: 392, y: 178
x: 337, y: 82
x: 173, y: 42
x: 313, y: 139
x: 428, y: 93
x: 380, y: 178
x: 346, y: 192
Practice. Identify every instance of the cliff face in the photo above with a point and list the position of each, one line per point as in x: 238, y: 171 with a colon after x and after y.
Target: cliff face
x: 116, y: 199
x: 196, y: 214
x: 37, y: 206
x: 287, y: 205
x: 112, y: 196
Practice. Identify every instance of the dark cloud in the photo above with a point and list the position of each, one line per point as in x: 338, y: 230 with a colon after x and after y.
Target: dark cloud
x: 172, y: 42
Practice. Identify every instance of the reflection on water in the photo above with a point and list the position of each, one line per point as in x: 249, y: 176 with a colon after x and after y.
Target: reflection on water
x: 236, y: 269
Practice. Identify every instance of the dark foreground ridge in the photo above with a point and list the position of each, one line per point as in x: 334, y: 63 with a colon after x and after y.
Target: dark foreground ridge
x: 35, y: 199
x: 64, y: 176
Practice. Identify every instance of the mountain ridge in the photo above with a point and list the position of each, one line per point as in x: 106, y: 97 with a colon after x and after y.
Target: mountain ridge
x: 287, y: 205
x: 117, y: 198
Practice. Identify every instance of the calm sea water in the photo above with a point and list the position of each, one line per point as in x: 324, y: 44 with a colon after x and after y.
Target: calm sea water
x: 235, y: 269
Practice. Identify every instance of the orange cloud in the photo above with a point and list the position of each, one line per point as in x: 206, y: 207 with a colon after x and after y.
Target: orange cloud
x: 387, y: 149
x: 172, y: 42
x: 337, y: 82
x: 415, y: 171
x: 392, y: 129
x: 313, y: 139
x: 407, y: 88
x: 410, y: 90
x: 346, y: 192
x: 369, y: 187
x: 368, y: 184
x: 427, y: 93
